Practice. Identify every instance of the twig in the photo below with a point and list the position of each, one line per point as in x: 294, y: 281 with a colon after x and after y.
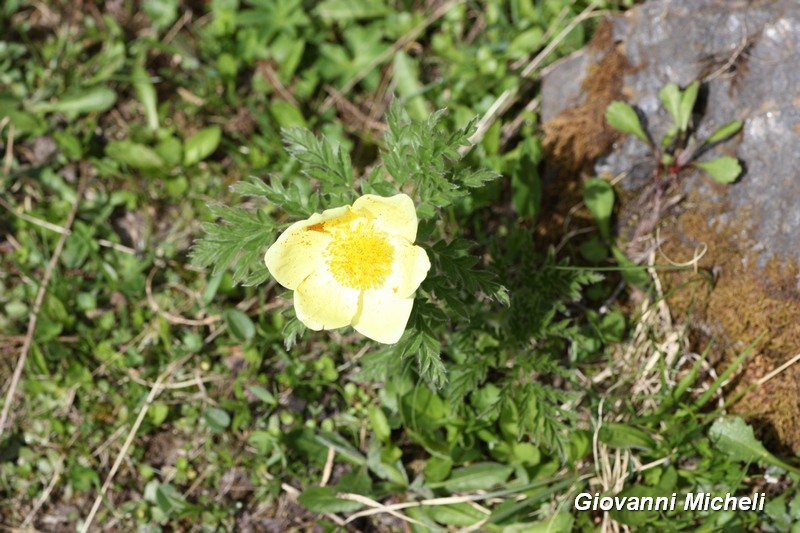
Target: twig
x: 326, y: 472
x: 61, y: 230
x: 37, y: 304
x: 154, y: 392
x: 400, y: 43
x: 44, y: 497
x: 778, y: 370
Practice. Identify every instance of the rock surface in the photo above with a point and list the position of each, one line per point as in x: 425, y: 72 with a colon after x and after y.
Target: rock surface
x: 747, y: 55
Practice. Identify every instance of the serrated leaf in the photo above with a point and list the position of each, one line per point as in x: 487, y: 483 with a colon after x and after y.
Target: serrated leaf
x: 134, y: 155
x: 736, y: 440
x: 725, y: 131
x: 324, y: 500
x: 599, y: 198
x: 623, y: 117
x: 239, y: 324
x: 724, y: 169
x: 201, y: 145
x: 479, y: 476
x: 688, y: 99
x: 670, y: 95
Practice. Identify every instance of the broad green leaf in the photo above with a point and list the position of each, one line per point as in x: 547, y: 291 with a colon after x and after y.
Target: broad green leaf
x: 95, y: 100
x: 286, y: 114
x: 201, y: 145
x: 594, y: 250
x: 264, y: 395
x: 346, y: 10
x: 599, y: 197
x: 324, y: 500
x: 670, y: 95
x: 559, y: 523
x: 623, y: 117
x: 476, y: 477
x: 631, y: 272
x: 170, y: 150
x: 724, y: 169
x: 217, y: 419
x: 146, y: 94
x: 25, y: 122
x: 158, y: 412
x: 526, y: 42
x: 379, y: 423
x: 169, y: 500
x: 134, y: 155
x: 406, y: 77
x: 263, y: 441
x: 437, y: 469
x: 725, y: 131
x: 83, y: 478
x: 625, y: 437
x: 688, y: 99
x: 239, y: 324
x: 457, y: 514
x: 736, y: 440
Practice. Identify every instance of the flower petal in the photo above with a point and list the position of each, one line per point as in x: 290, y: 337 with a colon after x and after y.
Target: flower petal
x: 322, y: 303
x: 383, y: 316
x: 396, y: 214
x: 409, y: 268
x: 299, y: 249
x: 296, y: 254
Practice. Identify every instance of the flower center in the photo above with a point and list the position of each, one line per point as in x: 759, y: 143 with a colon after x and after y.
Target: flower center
x: 360, y: 259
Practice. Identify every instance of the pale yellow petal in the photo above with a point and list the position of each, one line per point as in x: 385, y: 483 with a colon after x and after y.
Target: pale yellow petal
x: 296, y: 254
x: 299, y: 249
x: 410, y: 267
x: 383, y: 316
x: 322, y: 303
x: 396, y: 214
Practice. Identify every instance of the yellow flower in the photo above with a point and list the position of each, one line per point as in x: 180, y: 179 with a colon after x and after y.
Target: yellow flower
x: 353, y: 265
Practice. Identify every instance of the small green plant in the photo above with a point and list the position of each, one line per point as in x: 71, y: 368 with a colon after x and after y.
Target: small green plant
x: 679, y: 148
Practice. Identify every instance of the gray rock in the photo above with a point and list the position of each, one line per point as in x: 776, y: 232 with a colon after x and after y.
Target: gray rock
x: 747, y: 54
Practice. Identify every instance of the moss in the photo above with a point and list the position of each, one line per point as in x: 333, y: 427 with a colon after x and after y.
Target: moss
x: 576, y: 137
x: 743, y: 305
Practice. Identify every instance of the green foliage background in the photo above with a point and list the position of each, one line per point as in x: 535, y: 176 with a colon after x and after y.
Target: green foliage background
x: 165, y: 122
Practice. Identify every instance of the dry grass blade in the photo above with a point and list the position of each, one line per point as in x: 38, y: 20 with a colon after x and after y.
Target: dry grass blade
x: 37, y: 304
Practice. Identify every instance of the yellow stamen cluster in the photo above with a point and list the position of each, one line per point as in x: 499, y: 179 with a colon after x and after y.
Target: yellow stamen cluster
x: 360, y: 260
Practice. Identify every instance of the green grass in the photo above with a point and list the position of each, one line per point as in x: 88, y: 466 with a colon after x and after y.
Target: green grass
x: 171, y: 389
